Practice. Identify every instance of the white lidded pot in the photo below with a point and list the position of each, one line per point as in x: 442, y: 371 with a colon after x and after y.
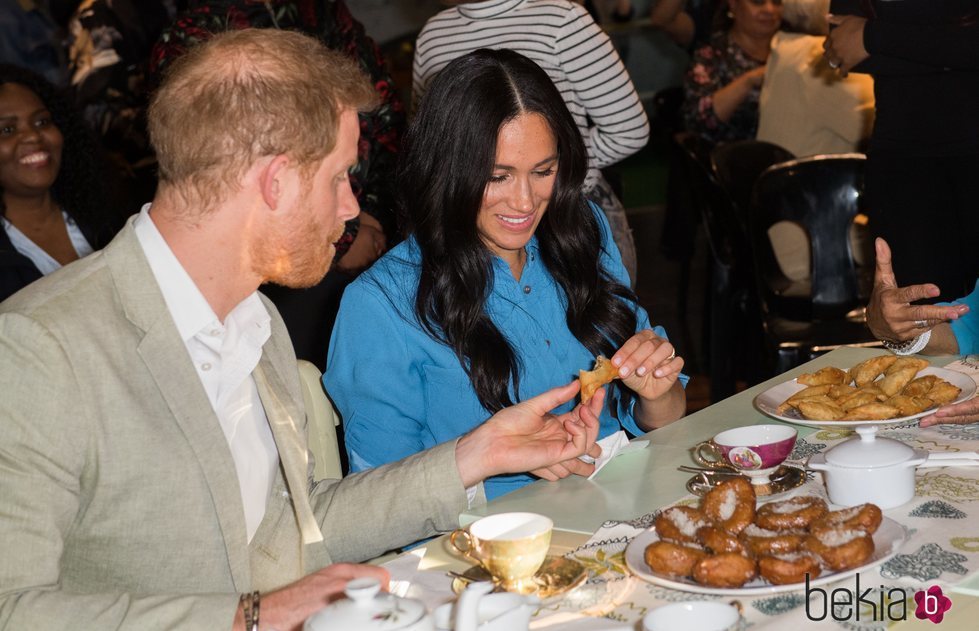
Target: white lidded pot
x: 479, y: 610
x: 366, y: 608
x: 869, y: 469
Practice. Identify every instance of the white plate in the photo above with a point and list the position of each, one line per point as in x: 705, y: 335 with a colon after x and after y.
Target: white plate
x: 887, y: 541
x: 768, y: 401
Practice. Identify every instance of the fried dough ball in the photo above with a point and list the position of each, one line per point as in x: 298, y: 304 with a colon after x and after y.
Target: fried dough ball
x: 717, y: 540
x: 725, y: 570
x: 680, y: 524
x: 840, y: 548
x: 791, y: 514
x: 783, y: 569
x: 866, y: 517
x: 672, y: 559
x: 761, y: 542
x: 730, y: 504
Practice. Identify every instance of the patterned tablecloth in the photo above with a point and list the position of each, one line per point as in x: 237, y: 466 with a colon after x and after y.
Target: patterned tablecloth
x: 942, y: 548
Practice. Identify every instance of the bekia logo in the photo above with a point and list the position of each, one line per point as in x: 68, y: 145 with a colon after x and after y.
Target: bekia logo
x: 932, y: 604
x: 874, y: 604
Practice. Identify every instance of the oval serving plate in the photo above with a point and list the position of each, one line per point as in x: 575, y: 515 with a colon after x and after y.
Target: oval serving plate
x: 887, y: 541
x: 768, y: 401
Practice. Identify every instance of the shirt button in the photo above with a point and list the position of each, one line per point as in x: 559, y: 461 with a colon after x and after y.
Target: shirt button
x: 215, y: 332
x: 206, y: 366
x: 548, y: 342
x: 526, y: 289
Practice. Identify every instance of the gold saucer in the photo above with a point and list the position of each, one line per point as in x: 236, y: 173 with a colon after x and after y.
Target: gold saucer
x: 784, y: 479
x: 556, y: 576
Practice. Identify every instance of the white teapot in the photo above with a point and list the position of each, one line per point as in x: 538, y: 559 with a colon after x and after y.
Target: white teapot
x: 366, y: 609
x: 479, y: 610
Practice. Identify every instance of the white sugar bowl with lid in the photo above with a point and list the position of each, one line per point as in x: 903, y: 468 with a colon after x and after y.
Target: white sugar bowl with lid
x: 869, y: 469
x: 368, y: 609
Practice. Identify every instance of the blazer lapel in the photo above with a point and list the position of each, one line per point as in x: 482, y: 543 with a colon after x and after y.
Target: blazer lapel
x: 166, y: 358
x: 286, y: 421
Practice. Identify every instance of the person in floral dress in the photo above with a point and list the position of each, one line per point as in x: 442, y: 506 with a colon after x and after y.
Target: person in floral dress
x: 724, y: 80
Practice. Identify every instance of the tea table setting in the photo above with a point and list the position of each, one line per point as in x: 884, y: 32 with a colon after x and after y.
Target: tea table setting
x: 925, y: 481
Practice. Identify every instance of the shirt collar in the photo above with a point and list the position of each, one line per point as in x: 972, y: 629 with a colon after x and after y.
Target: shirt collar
x: 488, y: 9
x: 185, y: 302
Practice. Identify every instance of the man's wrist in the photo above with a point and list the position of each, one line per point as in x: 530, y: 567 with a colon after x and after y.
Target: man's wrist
x: 250, y: 604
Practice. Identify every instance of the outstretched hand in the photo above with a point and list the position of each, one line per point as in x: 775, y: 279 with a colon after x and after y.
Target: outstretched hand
x: 890, y: 314
x: 528, y: 437
x: 958, y: 414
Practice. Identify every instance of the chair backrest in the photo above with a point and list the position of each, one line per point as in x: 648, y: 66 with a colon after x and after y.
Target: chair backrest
x: 822, y: 194
x: 322, y: 421
x: 725, y: 235
x: 738, y: 164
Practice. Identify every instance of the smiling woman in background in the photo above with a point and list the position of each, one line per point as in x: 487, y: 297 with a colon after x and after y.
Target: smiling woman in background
x: 51, y: 203
x: 508, y: 284
x: 722, y: 86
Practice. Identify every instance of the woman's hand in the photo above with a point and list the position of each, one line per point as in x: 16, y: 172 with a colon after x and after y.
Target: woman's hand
x: 890, y: 314
x: 367, y: 247
x: 958, y: 414
x: 844, y: 44
x: 648, y: 365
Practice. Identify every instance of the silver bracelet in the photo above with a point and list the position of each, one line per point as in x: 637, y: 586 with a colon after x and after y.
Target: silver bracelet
x: 249, y: 608
x: 910, y: 347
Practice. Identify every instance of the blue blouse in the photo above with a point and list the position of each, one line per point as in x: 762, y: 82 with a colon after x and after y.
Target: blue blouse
x: 400, y: 391
x: 966, y: 328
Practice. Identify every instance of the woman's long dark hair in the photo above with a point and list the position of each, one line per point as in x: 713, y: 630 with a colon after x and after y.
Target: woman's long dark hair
x: 447, y: 159
x: 80, y: 185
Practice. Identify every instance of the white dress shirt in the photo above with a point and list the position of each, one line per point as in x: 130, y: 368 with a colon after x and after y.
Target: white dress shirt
x: 43, y: 261
x: 224, y: 354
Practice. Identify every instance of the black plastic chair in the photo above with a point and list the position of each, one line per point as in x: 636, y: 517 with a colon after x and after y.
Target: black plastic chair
x: 733, y: 322
x: 822, y: 194
x: 737, y: 166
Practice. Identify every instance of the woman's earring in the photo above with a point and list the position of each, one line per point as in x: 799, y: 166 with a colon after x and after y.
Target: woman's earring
x: 730, y: 14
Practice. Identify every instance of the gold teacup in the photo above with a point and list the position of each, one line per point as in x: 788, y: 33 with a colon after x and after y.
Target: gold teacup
x: 510, y: 546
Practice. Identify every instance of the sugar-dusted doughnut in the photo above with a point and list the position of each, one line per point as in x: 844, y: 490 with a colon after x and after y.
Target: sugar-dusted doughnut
x: 672, y: 559
x: 791, y: 514
x: 729, y: 569
x: 730, y: 504
x: 680, y: 524
x: 866, y: 517
x: 840, y: 548
x: 761, y: 542
x: 783, y: 569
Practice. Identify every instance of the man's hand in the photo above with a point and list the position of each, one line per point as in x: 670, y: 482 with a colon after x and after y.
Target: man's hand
x: 287, y: 608
x: 528, y: 437
x: 844, y: 44
x: 574, y: 465
x: 958, y: 414
x: 890, y: 314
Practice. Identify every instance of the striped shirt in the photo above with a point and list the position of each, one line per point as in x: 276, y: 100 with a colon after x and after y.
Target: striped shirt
x: 561, y: 38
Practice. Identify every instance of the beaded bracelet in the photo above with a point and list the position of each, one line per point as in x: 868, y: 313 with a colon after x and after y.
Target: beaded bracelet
x: 249, y: 607
x: 910, y: 347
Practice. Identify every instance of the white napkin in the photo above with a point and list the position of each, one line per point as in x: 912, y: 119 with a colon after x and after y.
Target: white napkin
x: 968, y: 365
x: 432, y: 587
x: 612, y: 446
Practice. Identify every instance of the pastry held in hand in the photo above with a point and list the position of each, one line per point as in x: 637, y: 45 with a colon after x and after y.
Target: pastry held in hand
x: 591, y: 380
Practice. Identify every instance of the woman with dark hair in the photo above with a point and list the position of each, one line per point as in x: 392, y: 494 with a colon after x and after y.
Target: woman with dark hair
x: 52, y: 207
x: 724, y: 80
x: 508, y: 284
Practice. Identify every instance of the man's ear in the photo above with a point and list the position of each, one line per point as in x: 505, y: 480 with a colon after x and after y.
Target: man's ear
x: 270, y: 180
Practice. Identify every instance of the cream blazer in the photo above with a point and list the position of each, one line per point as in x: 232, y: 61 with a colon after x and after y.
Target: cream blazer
x: 119, y: 502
